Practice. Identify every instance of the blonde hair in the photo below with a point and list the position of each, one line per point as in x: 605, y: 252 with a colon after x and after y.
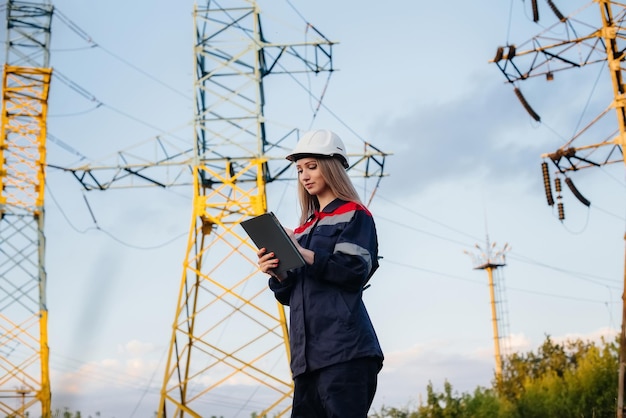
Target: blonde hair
x: 336, y: 177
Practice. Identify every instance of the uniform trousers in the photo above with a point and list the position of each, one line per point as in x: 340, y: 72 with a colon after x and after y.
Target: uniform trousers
x: 344, y: 390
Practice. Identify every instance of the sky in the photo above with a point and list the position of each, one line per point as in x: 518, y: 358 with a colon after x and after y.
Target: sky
x: 414, y: 79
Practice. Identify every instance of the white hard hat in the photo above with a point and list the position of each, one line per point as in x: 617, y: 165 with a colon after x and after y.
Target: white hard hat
x: 320, y: 142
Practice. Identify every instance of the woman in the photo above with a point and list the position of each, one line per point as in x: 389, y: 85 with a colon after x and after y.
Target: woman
x: 335, y: 354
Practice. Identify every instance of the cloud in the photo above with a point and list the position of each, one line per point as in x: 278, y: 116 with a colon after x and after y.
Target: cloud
x: 464, y: 137
x: 518, y: 342
x: 406, y: 373
x: 485, y: 133
x: 111, y: 386
x: 123, y: 371
x: 136, y: 348
x: 607, y: 334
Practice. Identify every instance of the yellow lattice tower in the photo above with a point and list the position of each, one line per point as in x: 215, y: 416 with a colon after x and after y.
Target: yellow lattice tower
x: 24, y: 371
x: 228, y: 328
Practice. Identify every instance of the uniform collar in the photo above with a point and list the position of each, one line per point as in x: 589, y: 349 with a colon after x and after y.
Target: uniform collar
x: 333, y: 205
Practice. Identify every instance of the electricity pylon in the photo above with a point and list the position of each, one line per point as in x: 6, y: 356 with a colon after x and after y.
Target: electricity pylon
x: 24, y: 373
x: 578, y: 46
x: 228, y: 330
x: 491, y: 260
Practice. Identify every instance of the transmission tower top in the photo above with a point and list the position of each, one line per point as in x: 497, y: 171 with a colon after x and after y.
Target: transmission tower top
x: 489, y: 257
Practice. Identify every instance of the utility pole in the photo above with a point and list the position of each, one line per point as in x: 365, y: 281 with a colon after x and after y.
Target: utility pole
x: 576, y: 47
x: 622, y: 350
x: 491, y: 260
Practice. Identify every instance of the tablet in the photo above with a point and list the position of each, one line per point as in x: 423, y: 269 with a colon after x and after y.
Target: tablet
x: 266, y: 232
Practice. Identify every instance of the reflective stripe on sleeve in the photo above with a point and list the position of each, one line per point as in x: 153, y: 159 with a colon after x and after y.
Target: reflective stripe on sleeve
x: 353, y: 249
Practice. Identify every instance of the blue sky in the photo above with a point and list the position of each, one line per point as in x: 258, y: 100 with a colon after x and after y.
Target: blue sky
x: 415, y: 81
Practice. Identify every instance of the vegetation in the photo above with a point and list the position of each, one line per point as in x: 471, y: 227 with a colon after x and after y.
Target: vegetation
x: 573, y: 379
x: 66, y: 413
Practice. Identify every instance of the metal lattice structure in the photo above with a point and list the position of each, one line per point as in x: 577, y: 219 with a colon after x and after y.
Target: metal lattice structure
x: 24, y: 373
x: 572, y: 43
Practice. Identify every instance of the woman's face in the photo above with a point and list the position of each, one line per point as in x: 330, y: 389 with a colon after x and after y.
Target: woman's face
x: 310, y: 176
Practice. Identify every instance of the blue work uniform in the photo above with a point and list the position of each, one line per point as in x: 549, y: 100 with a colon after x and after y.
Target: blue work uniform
x: 329, y: 324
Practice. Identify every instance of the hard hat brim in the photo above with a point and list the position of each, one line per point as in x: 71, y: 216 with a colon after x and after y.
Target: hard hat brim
x: 296, y: 157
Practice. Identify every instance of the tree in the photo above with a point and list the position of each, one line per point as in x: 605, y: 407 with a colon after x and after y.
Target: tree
x: 573, y: 379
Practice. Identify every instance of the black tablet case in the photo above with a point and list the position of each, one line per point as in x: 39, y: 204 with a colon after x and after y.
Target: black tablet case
x: 266, y: 232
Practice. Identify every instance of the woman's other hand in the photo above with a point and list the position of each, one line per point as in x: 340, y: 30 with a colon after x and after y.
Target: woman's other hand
x: 268, y: 262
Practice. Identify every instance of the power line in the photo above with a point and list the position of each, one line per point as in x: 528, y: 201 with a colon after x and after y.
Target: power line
x: 104, y: 231
x: 429, y: 219
x: 590, y: 278
x: 98, y: 103
x: 87, y: 38
x: 482, y: 283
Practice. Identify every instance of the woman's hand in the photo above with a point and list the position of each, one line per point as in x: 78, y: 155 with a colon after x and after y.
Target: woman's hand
x: 267, y: 263
x: 292, y: 236
x: 308, y: 255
